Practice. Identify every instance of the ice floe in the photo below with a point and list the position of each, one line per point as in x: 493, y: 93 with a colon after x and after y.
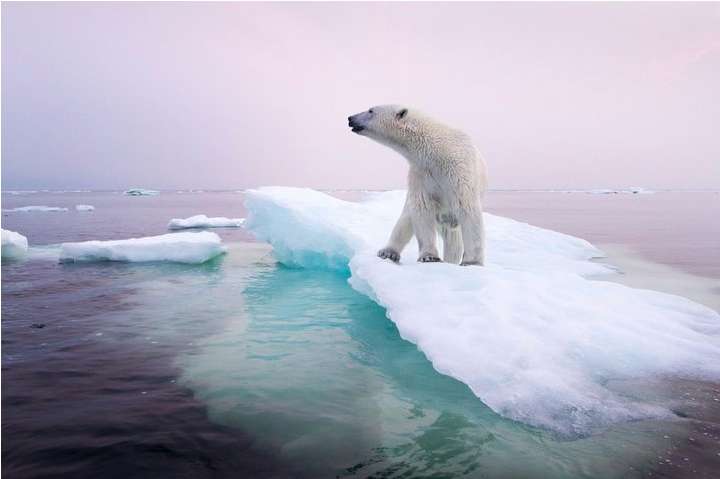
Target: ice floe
x: 202, y: 221
x: 14, y: 245
x: 33, y: 208
x: 173, y: 247
x: 140, y: 192
x: 84, y: 208
x: 531, y: 333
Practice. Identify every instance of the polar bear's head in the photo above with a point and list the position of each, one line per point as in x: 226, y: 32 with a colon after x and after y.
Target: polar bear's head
x: 386, y: 124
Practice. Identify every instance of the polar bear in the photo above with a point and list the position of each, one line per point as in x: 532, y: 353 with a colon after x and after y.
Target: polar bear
x: 446, y: 184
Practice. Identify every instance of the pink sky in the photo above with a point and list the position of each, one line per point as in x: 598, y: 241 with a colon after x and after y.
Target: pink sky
x: 235, y: 95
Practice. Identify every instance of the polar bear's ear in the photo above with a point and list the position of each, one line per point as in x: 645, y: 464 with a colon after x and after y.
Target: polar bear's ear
x: 401, y: 114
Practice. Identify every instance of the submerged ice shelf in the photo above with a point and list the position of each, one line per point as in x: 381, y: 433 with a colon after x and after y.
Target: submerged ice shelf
x: 531, y: 333
x: 173, y: 247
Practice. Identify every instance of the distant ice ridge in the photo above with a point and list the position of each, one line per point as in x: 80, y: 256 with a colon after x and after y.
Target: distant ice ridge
x: 14, y: 245
x: 30, y: 192
x: 28, y: 209
x: 84, y: 208
x: 635, y: 190
x: 598, y: 191
x: 181, y: 192
x: 173, y: 247
x: 20, y: 192
x: 141, y: 192
x: 202, y: 221
x: 530, y: 333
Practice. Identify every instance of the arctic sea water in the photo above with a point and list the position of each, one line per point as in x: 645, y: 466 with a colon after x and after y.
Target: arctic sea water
x: 241, y: 365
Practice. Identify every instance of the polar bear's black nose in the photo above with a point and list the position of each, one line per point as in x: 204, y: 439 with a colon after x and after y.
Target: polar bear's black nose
x: 357, y: 128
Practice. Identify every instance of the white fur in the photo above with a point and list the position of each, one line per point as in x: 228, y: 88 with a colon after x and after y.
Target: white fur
x: 446, y: 184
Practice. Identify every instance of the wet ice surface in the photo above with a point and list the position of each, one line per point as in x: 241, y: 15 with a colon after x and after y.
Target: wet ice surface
x: 114, y: 369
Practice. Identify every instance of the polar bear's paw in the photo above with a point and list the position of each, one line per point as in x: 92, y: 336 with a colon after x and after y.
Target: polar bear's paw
x: 471, y: 263
x: 389, y: 253
x: 428, y: 258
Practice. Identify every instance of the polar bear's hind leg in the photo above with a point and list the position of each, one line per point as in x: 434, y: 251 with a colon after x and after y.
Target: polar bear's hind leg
x: 452, y: 244
x: 473, y: 237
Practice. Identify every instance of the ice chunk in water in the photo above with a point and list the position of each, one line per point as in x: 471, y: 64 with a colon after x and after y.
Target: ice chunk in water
x: 141, y: 192
x: 84, y: 208
x: 531, y: 333
x: 202, y: 221
x: 14, y: 245
x: 172, y: 247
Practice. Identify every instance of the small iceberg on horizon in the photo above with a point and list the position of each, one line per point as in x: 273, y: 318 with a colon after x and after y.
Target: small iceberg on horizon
x: 84, y: 208
x: 14, y: 245
x: 639, y: 190
x: 140, y: 192
x: 202, y: 221
x: 533, y: 333
x: 191, y: 248
x: 39, y: 208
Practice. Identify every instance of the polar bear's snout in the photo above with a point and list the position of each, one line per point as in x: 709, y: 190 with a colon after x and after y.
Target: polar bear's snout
x: 356, y: 123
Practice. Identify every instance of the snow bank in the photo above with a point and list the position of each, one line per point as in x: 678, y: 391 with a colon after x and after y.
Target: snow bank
x: 141, y: 192
x: 202, y: 221
x: 14, y: 245
x: 84, y: 208
x: 530, y: 333
x: 173, y: 247
x: 28, y: 209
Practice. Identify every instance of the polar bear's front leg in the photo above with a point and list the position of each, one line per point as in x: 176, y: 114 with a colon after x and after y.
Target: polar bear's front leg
x: 400, y: 237
x: 423, y: 223
x: 473, y: 236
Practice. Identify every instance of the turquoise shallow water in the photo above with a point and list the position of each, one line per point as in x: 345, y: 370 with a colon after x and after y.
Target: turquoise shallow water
x: 244, y: 367
x: 319, y: 376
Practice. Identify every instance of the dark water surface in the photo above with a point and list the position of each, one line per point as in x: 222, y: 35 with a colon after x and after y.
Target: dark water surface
x: 242, y: 368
